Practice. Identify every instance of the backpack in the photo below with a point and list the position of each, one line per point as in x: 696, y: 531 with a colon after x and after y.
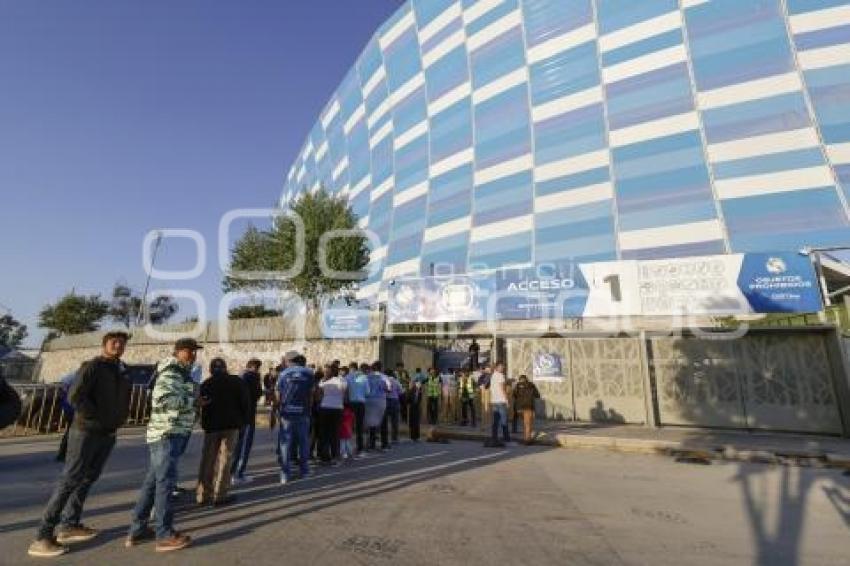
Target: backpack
x: 10, y: 404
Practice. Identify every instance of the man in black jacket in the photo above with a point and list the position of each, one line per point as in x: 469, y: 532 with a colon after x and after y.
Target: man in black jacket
x: 254, y: 388
x: 224, y: 410
x: 101, y: 397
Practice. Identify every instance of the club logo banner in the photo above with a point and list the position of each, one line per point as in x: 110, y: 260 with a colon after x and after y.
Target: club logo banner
x: 547, y: 366
x: 345, y: 321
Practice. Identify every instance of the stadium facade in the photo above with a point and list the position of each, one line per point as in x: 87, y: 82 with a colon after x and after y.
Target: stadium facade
x: 478, y: 134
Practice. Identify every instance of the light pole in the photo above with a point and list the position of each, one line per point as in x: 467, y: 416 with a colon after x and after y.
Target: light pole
x: 144, y: 306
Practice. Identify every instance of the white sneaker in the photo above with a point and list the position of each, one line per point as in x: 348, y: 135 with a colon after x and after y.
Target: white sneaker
x: 283, y: 480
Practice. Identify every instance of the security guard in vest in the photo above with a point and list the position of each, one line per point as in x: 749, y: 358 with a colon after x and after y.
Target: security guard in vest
x: 466, y: 393
x: 433, y: 388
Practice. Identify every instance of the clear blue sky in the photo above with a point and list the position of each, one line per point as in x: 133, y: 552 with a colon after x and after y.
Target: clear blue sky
x: 118, y: 117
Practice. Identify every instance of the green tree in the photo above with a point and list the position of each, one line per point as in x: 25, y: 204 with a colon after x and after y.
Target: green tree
x: 74, y: 314
x: 12, y: 332
x: 274, y: 250
x: 252, y: 311
x: 126, y: 307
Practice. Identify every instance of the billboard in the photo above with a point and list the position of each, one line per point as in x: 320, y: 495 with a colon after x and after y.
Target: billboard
x: 757, y: 283
x: 345, y: 321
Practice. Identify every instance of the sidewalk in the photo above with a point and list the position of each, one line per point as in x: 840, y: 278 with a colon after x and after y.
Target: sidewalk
x: 684, y: 443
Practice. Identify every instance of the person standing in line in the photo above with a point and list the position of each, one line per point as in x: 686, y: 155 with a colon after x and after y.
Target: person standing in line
x: 66, y: 382
x: 330, y: 415
x: 318, y: 377
x: 525, y: 393
x: 269, y: 382
x: 474, y: 350
x: 173, y: 411
x: 414, y: 395
x: 433, y: 389
x: 484, y: 391
x: 376, y: 406
x: 466, y: 393
x: 225, y: 408
x: 403, y: 378
x: 251, y: 381
x: 391, y: 416
x: 358, y: 389
x: 419, y: 375
x: 101, y: 398
x: 499, y: 406
x: 346, y: 431
x: 295, y: 391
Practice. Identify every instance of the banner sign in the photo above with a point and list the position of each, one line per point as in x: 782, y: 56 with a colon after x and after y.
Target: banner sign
x: 704, y: 285
x: 341, y: 321
x: 547, y: 366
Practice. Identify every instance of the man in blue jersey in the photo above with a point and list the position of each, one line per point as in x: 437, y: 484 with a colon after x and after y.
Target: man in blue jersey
x: 295, y: 389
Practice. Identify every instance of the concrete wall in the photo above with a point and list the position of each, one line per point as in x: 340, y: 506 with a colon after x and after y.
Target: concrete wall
x: 266, y: 339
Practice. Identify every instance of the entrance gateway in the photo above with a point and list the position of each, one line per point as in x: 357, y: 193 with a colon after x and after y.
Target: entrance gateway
x: 612, y: 348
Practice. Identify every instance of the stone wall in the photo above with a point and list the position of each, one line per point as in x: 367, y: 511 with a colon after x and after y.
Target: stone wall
x: 266, y: 339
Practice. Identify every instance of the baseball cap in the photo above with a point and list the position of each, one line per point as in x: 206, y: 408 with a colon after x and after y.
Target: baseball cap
x: 292, y: 355
x: 187, y: 344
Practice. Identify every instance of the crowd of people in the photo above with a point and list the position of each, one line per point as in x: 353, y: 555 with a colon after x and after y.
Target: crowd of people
x: 328, y: 413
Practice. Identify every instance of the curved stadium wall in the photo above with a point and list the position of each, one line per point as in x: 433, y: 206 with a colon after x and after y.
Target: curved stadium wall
x: 475, y: 135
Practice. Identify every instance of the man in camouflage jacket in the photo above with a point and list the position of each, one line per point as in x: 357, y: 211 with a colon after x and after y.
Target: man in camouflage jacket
x: 173, y: 411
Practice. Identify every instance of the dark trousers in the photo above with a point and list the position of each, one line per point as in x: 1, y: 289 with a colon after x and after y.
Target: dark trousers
x: 63, y: 444
x: 384, y: 431
x: 467, y: 409
x: 159, y: 483
x: 414, y: 416
x: 359, y: 423
x: 392, y: 415
x: 433, y: 410
x: 243, y: 450
x: 402, y: 406
x: 329, y: 420
x: 86, y: 456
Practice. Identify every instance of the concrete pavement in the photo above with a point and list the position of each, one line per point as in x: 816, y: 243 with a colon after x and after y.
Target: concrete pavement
x: 460, y: 503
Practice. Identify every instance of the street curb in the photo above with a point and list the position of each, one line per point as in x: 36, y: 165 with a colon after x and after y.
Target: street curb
x: 680, y: 451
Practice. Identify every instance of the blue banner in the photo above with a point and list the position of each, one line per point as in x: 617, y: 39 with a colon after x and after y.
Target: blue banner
x: 343, y: 321
x: 730, y: 284
x: 547, y: 367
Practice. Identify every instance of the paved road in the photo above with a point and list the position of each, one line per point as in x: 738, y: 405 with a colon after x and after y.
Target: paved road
x: 461, y: 504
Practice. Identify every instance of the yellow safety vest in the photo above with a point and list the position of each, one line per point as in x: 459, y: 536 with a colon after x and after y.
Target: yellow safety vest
x: 433, y: 386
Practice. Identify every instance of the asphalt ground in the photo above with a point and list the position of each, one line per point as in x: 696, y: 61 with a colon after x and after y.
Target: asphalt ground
x: 457, y: 503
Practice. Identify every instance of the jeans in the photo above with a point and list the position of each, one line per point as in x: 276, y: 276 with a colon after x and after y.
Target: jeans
x: 87, y: 453
x: 157, y: 487
x: 243, y: 450
x: 294, y: 433
x: 500, y: 419
x: 359, y: 423
x: 392, y: 416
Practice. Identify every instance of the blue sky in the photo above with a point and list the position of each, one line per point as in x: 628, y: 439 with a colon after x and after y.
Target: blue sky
x: 119, y: 117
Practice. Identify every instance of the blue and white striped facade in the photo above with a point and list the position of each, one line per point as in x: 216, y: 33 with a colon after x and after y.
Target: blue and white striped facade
x: 477, y: 134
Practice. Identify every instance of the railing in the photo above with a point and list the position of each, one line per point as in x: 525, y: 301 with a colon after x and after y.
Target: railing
x: 42, y: 412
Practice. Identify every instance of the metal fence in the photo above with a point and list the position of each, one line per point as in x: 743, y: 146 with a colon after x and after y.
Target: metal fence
x: 42, y: 411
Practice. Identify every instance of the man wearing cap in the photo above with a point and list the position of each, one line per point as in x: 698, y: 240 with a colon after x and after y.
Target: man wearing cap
x: 101, y: 397
x: 295, y: 390
x: 169, y: 429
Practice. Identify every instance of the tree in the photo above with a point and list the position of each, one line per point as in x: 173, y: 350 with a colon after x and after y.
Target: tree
x: 12, y: 332
x: 252, y: 311
x: 274, y: 250
x: 126, y: 307
x: 74, y: 314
